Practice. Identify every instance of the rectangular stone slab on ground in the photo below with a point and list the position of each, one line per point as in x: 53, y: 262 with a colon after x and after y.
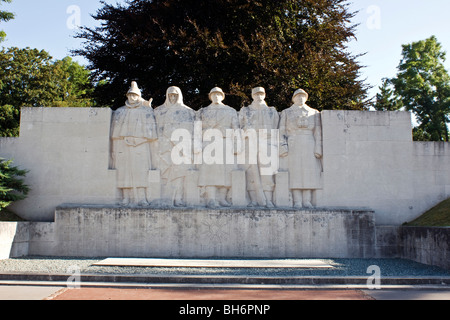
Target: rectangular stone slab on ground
x: 195, y: 263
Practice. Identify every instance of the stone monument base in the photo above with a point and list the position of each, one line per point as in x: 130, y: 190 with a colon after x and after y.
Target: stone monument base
x: 99, y: 231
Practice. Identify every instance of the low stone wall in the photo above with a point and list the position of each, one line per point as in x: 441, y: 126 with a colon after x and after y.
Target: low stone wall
x: 387, y: 243
x: 91, y: 231
x: 114, y: 231
x: 14, y: 239
x: 426, y: 245
x: 185, y: 233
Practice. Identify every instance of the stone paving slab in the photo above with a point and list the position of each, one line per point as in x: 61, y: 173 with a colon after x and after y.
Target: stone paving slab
x: 27, y: 292
x: 409, y: 295
x: 196, y: 263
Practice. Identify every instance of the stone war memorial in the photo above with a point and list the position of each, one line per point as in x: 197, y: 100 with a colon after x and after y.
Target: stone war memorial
x: 168, y: 181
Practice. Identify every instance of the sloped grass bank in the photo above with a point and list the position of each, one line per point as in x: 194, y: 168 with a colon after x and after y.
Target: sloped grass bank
x: 439, y: 216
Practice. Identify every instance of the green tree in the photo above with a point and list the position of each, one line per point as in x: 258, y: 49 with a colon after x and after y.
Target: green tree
x: 234, y: 44
x: 9, y: 121
x: 30, y: 78
x: 73, y: 85
x: 423, y: 84
x: 12, y: 186
x: 5, y: 16
x: 387, y: 99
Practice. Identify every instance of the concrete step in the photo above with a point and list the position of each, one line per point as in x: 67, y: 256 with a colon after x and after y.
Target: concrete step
x: 223, y: 280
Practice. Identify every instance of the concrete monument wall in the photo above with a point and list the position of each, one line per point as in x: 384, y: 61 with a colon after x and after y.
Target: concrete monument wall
x: 369, y: 160
x: 66, y: 151
x: 350, y: 233
x: 112, y: 231
x: 426, y: 245
x: 14, y: 239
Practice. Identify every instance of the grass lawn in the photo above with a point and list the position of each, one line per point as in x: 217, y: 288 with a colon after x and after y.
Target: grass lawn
x: 438, y: 216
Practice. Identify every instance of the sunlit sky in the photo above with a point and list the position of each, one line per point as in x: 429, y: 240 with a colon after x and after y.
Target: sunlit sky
x: 384, y: 25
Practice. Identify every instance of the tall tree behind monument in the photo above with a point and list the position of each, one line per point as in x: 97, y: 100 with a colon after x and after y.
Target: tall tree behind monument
x: 423, y: 84
x: 387, y: 99
x: 233, y: 44
x: 30, y: 78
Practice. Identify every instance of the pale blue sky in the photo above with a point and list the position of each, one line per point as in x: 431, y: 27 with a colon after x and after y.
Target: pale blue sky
x: 401, y: 22
x: 384, y: 26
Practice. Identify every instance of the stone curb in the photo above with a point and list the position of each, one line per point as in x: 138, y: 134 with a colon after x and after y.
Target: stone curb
x: 223, y: 280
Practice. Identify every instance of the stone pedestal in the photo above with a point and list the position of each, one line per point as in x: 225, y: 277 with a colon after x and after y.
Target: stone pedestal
x: 97, y: 231
x: 192, y: 194
x: 282, y: 191
x: 238, y: 189
x: 154, y: 190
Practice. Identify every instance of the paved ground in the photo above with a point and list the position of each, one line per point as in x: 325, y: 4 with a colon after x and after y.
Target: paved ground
x: 409, y: 294
x: 62, y: 293
x: 27, y: 292
x: 206, y: 294
x: 37, y: 279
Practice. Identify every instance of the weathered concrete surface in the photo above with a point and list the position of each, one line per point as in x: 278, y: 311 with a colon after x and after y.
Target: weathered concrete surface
x: 388, y: 243
x: 159, y: 237
x: 14, y: 239
x: 66, y: 151
x: 426, y: 245
x: 369, y: 160
x: 95, y: 231
x: 113, y: 231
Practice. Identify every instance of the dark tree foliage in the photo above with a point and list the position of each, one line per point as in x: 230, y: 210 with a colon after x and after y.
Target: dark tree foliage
x: 387, y: 100
x: 12, y: 186
x: 281, y: 45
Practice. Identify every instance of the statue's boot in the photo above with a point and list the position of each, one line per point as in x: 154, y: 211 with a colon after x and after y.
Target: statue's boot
x: 269, y: 196
x: 307, y: 199
x: 297, y: 195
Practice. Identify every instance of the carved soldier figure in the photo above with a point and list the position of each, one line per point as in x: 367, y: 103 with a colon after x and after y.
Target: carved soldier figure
x: 215, y: 175
x: 174, y: 115
x: 259, y: 116
x: 301, y: 142
x: 133, y: 129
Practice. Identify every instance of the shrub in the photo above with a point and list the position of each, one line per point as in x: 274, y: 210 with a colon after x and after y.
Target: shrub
x: 12, y: 187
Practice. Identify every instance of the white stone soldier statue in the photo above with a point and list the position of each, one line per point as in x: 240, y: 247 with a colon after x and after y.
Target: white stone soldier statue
x: 215, y: 176
x: 173, y: 115
x: 301, y: 142
x: 133, y: 129
x: 258, y: 116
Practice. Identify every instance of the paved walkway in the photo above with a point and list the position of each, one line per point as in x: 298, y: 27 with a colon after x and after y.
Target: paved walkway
x: 207, y: 294
x: 26, y: 292
x: 34, y: 292
x: 45, y: 286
